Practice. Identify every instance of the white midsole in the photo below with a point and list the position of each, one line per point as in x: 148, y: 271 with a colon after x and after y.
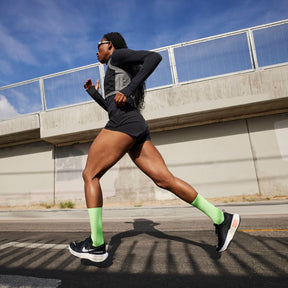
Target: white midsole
x: 231, y: 232
x: 91, y: 257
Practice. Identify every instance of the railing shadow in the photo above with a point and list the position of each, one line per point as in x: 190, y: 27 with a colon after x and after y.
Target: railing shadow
x: 147, y: 226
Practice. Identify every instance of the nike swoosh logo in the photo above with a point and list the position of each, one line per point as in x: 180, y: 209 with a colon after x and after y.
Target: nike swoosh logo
x: 86, y: 250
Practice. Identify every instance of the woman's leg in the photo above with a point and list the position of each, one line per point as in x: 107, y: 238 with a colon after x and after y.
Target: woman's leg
x: 105, y: 151
x: 150, y: 161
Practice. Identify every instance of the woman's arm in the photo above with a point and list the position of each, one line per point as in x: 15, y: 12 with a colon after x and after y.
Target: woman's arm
x: 147, y: 59
x: 93, y: 92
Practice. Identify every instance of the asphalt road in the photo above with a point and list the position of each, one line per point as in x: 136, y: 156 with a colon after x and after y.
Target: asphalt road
x: 157, y: 250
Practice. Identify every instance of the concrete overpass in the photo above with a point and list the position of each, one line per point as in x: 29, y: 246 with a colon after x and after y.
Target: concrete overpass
x: 226, y: 135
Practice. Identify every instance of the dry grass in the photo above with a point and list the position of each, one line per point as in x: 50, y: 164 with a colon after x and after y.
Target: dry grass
x: 173, y: 202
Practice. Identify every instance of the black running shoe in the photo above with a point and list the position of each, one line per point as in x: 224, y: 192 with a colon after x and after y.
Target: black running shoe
x: 226, y: 230
x: 85, y: 250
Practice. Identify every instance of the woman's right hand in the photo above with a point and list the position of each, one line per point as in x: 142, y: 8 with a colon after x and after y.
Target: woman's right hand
x: 89, y: 84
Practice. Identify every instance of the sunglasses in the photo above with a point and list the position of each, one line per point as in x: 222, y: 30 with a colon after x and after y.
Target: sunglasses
x: 102, y: 42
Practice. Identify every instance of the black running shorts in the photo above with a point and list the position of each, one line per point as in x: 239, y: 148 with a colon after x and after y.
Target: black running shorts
x: 127, y: 120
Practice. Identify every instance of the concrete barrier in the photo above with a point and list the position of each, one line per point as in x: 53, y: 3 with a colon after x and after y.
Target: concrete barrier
x: 226, y: 136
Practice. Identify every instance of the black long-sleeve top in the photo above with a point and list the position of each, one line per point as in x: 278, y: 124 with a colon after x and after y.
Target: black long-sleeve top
x: 118, y: 76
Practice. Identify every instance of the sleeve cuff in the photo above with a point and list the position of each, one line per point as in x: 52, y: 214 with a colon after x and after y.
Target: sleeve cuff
x: 127, y: 91
x: 91, y: 91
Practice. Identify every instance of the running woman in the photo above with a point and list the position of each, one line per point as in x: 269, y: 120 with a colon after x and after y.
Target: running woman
x: 127, y: 132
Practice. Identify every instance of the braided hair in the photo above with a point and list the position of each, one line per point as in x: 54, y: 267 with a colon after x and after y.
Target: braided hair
x: 119, y: 42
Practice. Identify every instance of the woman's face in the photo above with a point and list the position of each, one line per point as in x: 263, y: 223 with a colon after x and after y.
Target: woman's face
x: 104, y: 50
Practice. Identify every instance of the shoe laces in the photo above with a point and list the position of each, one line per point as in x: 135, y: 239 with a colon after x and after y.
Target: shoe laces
x: 86, y: 242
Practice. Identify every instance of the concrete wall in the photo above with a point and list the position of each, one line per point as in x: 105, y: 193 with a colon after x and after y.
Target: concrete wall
x: 216, y: 159
x: 27, y: 174
x: 269, y: 140
x: 241, y: 157
x: 226, y: 136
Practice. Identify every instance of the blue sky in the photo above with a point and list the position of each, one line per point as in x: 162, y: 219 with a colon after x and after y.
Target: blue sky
x: 40, y: 37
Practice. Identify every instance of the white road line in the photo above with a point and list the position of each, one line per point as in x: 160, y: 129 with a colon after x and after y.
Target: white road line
x: 33, y: 245
x: 8, y: 281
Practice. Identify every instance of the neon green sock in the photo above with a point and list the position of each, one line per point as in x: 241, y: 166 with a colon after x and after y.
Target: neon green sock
x: 95, y: 216
x: 216, y: 215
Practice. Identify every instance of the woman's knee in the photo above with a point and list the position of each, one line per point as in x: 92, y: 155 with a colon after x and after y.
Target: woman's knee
x: 88, y: 176
x: 166, y: 181
x: 85, y: 175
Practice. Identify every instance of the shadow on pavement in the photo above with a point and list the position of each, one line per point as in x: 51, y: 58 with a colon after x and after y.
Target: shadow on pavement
x: 148, y: 227
x: 147, y: 257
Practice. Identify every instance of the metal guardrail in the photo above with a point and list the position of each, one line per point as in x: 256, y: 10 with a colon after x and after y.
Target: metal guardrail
x: 235, y: 52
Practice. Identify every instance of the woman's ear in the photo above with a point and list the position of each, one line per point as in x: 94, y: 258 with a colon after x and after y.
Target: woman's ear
x: 110, y: 45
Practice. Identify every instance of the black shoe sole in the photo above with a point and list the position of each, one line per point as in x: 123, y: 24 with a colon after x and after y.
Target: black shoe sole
x: 89, y: 256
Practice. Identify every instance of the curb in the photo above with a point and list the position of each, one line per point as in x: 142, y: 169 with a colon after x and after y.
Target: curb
x: 243, y: 208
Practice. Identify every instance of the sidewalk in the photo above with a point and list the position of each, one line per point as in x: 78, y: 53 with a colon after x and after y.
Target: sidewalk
x: 262, y: 208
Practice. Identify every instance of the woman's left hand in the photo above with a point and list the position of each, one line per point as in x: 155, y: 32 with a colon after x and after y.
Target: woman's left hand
x: 120, y: 99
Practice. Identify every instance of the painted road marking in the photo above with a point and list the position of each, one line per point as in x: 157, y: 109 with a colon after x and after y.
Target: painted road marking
x: 33, y: 245
x: 264, y: 230
x: 65, y: 246
x: 28, y: 282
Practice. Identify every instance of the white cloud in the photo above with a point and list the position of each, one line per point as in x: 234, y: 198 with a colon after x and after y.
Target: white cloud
x: 6, y: 109
x: 51, y: 36
x: 58, y: 18
x: 15, y: 49
x: 46, y: 33
x: 5, y: 68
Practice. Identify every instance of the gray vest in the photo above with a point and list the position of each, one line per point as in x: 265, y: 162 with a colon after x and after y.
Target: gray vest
x: 122, y: 79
